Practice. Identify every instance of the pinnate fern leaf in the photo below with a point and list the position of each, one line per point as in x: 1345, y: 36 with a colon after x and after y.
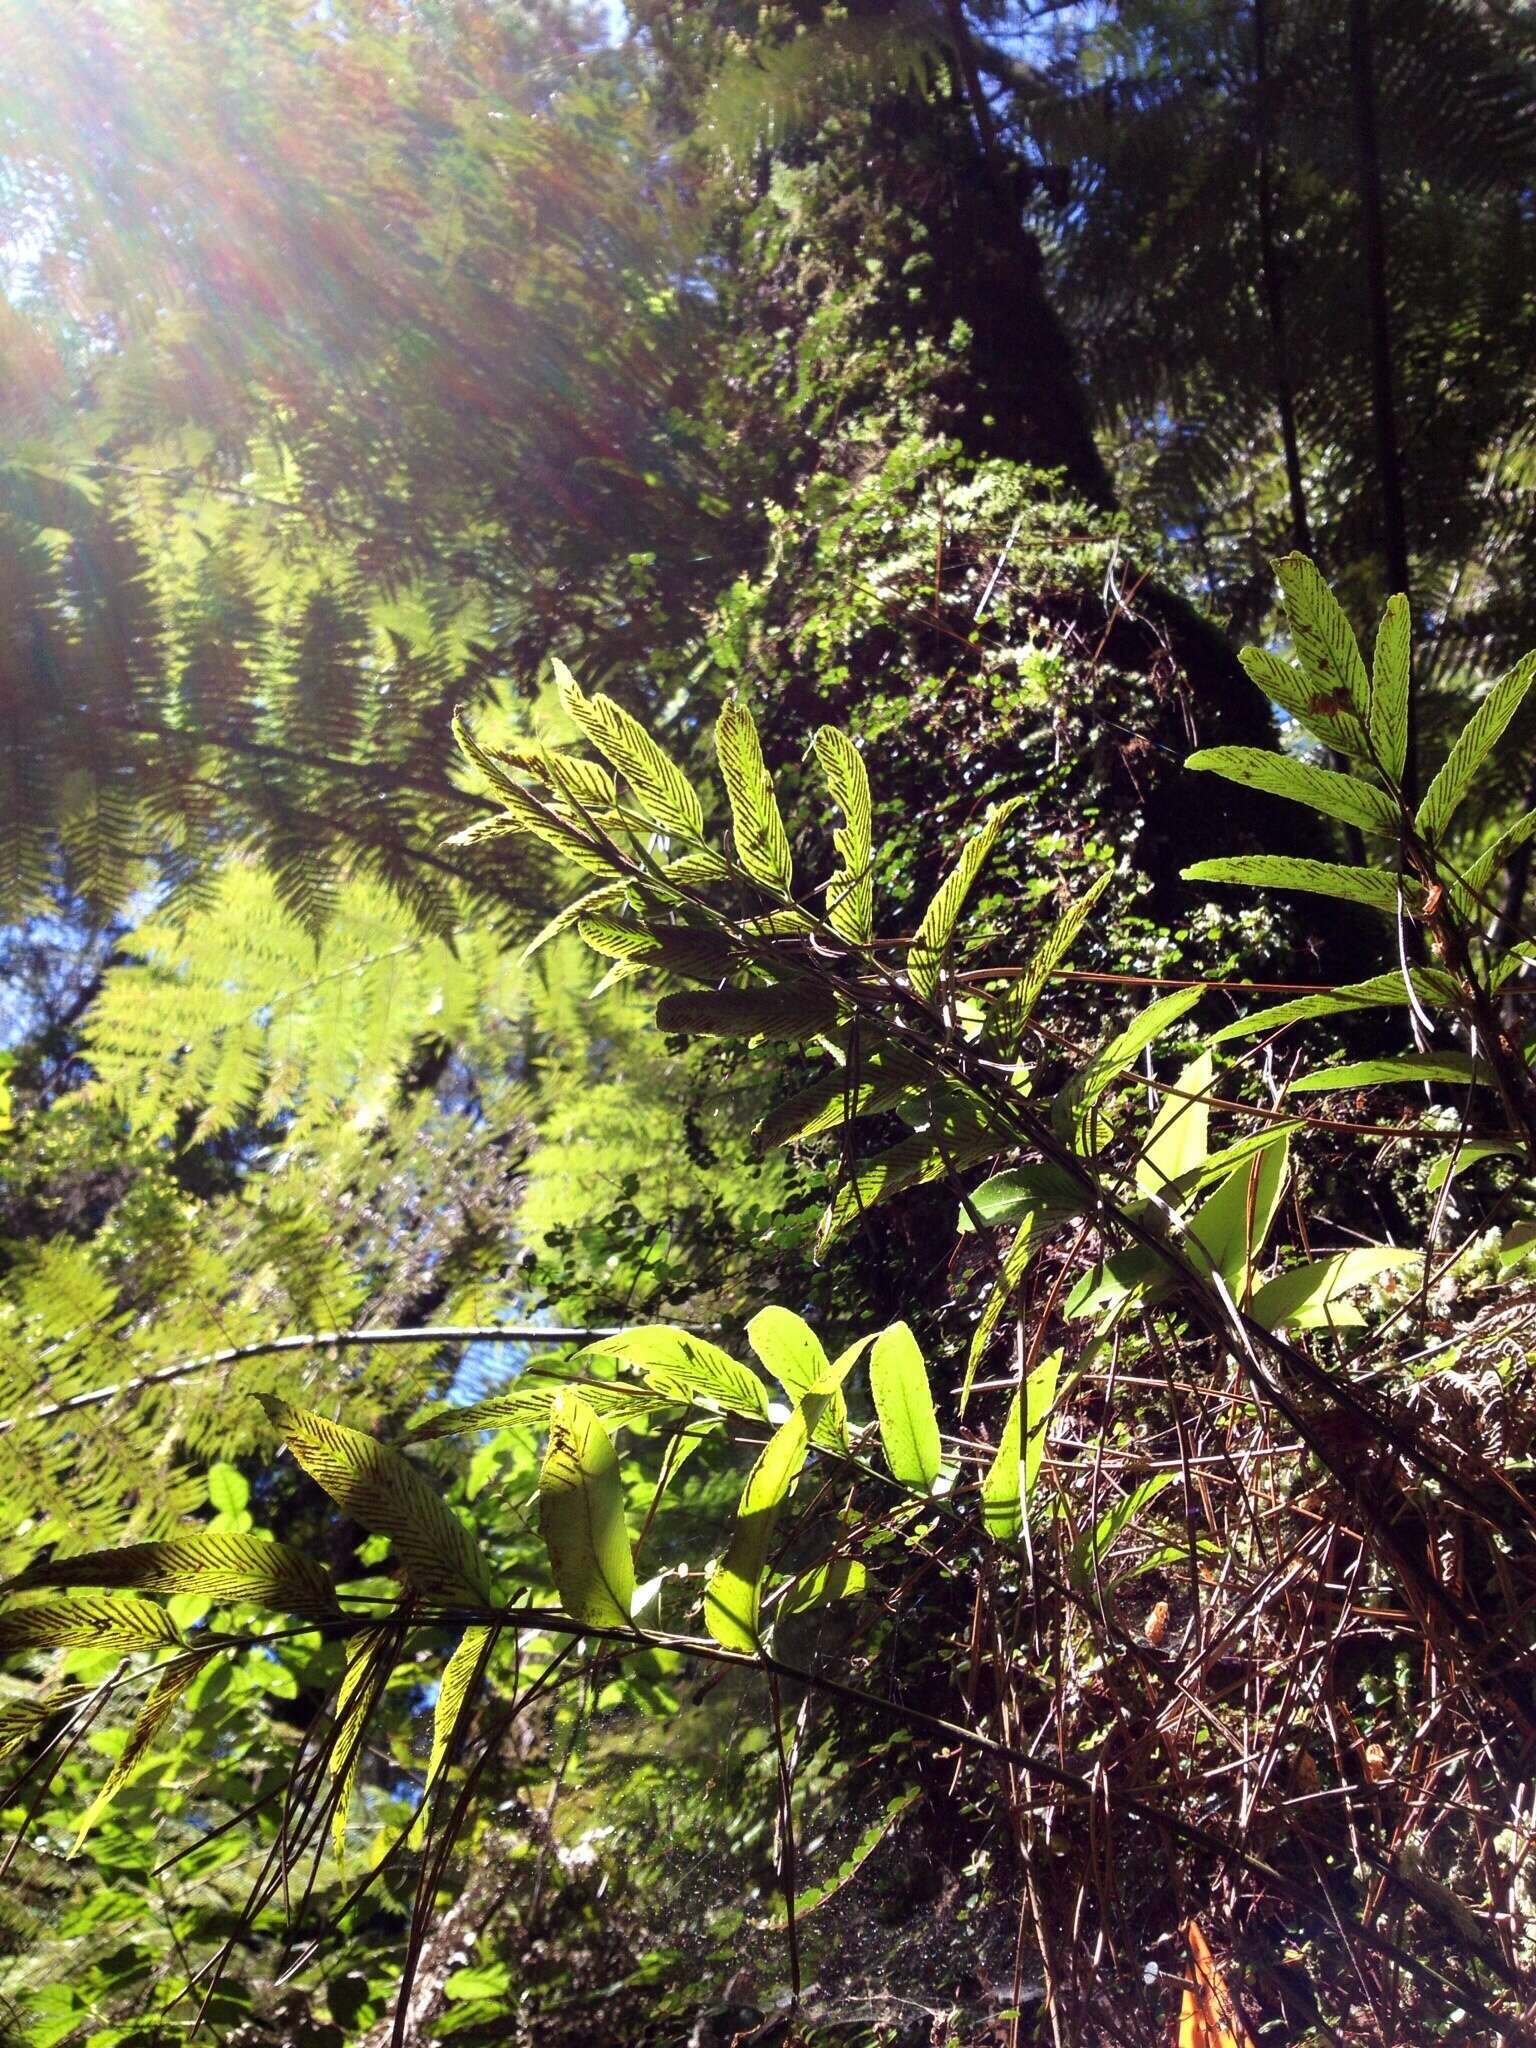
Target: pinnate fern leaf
x: 224, y: 1567
x: 383, y: 1491
x: 933, y: 935
x: 850, y: 893
x: 1474, y: 743
x: 658, y: 783
x: 762, y: 844
x: 87, y: 1622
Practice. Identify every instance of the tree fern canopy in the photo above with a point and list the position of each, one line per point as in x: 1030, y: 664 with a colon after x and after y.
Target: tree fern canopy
x: 765, y: 1243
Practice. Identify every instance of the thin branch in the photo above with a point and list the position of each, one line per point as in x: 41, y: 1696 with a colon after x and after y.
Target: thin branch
x: 317, y: 1340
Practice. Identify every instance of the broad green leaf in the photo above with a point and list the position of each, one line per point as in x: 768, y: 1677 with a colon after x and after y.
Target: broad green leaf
x: 528, y: 818
x: 586, y: 785
x: 762, y: 844
x: 1119, y: 1278
x: 581, y: 1517
x: 222, y: 1567
x: 912, y: 1163
x: 1474, y: 743
x: 1089, y: 1552
x: 790, y: 1010
x: 794, y: 1354
x: 1482, y: 871
x: 456, y: 1693
x: 1337, y: 796
x: 1430, y: 985
x: 1047, y: 1193
x: 659, y: 785
x: 836, y: 1099
x: 1002, y: 1498
x: 1325, y: 713
x: 152, y: 1717
x: 1373, y: 887
x: 817, y: 1895
x: 93, y: 1621
x: 909, y: 1429
x: 370, y: 1658
x: 604, y: 897
x: 850, y: 893
x: 684, y: 1367
x: 1324, y: 639
x: 229, y: 1491
x: 1072, y: 1110
x: 23, y: 1720
x: 1471, y: 1154
x: 1311, y: 1296
x: 843, y: 1579
x: 734, y: 1593
x: 1016, y: 1005
x: 697, y: 955
x: 1016, y: 1260
x: 789, y: 1348
x: 526, y: 1406
x: 1035, y: 1420
x: 1179, y: 1138
x: 592, y: 785
x: 1390, y: 685
x: 385, y: 1493
x: 1456, y: 1067
x: 1231, y: 1227
x: 931, y: 942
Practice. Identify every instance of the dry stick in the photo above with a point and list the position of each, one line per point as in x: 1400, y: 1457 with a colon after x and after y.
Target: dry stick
x: 787, y: 1867
x: 313, y: 1340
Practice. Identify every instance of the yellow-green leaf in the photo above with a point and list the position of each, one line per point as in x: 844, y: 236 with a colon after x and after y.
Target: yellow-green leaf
x: 87, y: 1622
x: 223, y: 1567
x: 1474, y: 743
x: 909, y: 1429
x: 850, y: 893
x: 456, y: 1693
x: 933, y: 935
x: 152, y: 1717
x: 1390, y: 684
x: 684, y: 1367
x: 662, y: 789
x: 376, y: 1486
x: 581, y: 1517
x: 733, y: 1595
x: 762, y: 844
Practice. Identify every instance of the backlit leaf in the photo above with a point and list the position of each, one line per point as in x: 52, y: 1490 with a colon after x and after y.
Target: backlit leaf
x: 1373, y: 887
x: 850, y: 893
x: 660, y: 786
x: 734, y: 1592
x: 931, y: 942
x: 1390, y: 685
x: 909, y: 1429
x: 152, y: 1717
x: 1473, y: 744
x: 222, y: 1567
x: 581, y: 1517
x: 456, y: 1693
x: 87, y: 1622
x: 1398, y: 1071
x: 1337, y: 796
x: 1311, y: 1296
x: 1324, y: 639
x: 685, y: 1367
x: 383, y: 1491
x: 762, y: 844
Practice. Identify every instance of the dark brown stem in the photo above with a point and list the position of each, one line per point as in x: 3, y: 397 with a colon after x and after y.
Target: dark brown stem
x: 1274, y: 292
